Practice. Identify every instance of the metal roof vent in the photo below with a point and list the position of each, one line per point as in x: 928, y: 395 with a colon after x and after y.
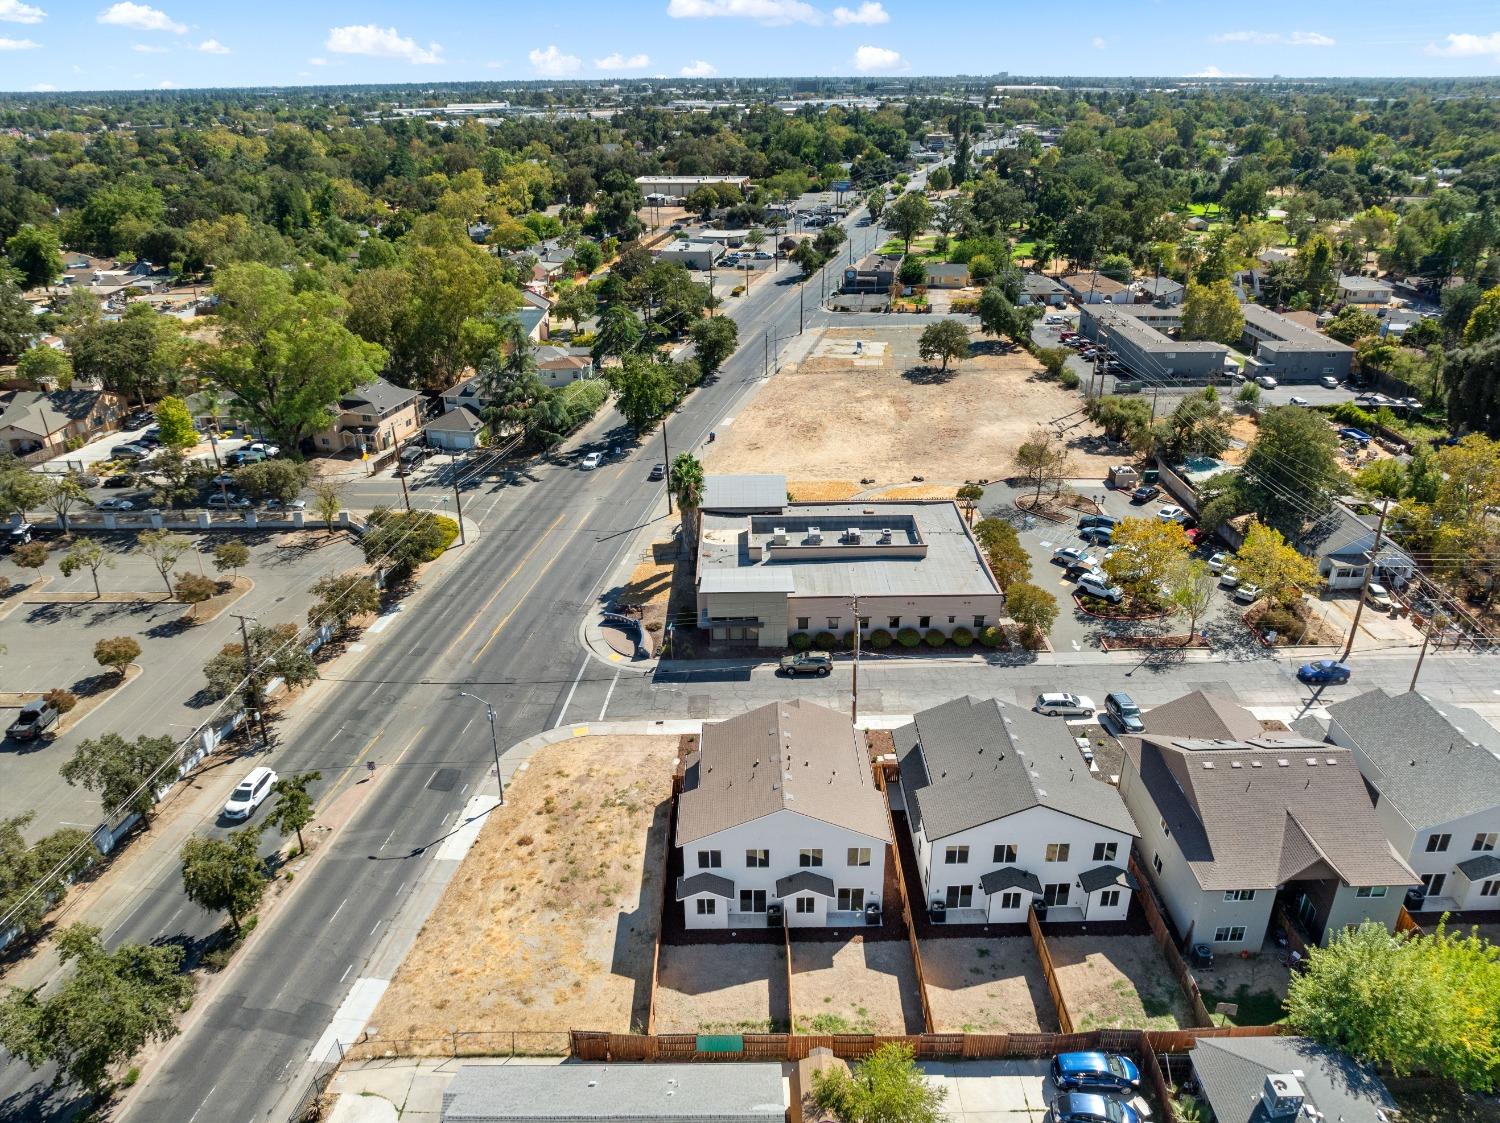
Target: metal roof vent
x: 1282, y: 762
x: 1208, y: 764
x: 1256, y: 764
x: 1330, y: 761
x: 1312, y: 762
x: 1235, y: 764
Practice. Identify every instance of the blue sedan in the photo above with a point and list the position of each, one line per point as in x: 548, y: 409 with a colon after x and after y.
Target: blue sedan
x: 1324, y: 672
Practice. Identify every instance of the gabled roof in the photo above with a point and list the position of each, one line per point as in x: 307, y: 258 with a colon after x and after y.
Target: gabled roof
x: 1232, y: 1070
x: 787, y: 756
x: 973, y: 761
x: 1481, y: 868
x: 1103, y: 877
x: 1203, y: 717
x: 456, y: 420
x: 1010, y: 877
x: 32, y: 411
x: 1255, y: 814
x: 804, y: 881
x: 381, y: 395
x: 1092, y: 282
x: 1433, y: 763
x: 712, y: 883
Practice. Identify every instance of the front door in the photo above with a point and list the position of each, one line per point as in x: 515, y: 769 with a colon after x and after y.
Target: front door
x: 960, y: 896
x: 1432, y: 884
x: 752, y: 900
x: 851, y: 900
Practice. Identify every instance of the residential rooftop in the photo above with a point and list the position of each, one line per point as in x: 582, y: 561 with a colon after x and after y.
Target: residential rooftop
x: 1232, y: 1072
x: 1127, y: 320
x: 1287, y: 334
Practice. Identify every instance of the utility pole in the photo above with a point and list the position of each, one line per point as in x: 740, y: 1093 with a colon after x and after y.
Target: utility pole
x: 666, y: 458
x: 489, y: 712
x: 458, y: 500
x: 250, y: 683
x: 1364, y: 586
x: 1432, y: 626
x: 854, y: 600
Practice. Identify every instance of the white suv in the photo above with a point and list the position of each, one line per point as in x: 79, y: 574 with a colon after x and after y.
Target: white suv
x: 1064, y: 705
x: 250, y: 794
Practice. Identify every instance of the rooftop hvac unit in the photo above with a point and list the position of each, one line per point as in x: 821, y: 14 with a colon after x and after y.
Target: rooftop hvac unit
x: 778, y: 536
x: 1281, y: 1095
x: 885, y: 534
x: 853, y: 535
x: 815, y: 534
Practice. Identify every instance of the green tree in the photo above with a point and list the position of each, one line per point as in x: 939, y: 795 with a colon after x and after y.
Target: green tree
x: 1033, y: 608
x: 124, y: 774
x: 1198, y: 426
x: 1008, y: 559
x: 714, y: 340
x: 341, y: 599
x: 1351, y: 325
x: 1147, y: 553
x: 294, y: 806
x: 644, y: 391
x: 686, y: 481
x: 21, y: 489
x: 107, y: 1008
x: 619, y: 333
x: 1190, y: 590
x: 885, y: 1087
x: 230, y: 556
x: 276, y: 651
x: 875, y: 203
x: 945, y: 340
x: 63, y: 494
x: 1212, y: 311
x: 1121, y: 418
x: 281, y: 480
x: 18, y: 324
x: 175, y: 423
x: 1292, y: 469
x: 575, y: 303
x: 328, y: 502
x: 909, y: 216
x: 163, y: 548
x: 998, y: 315
x: 46, y: 366
x: 116, y: 653
x: 33, y: 251
x: 1484, y: 321
x: 1268, y: 560
x: 47, y: 866
x: 808, y: 257
x: 225, y: 874
x: 86, y: 553
x: 402, y: 540
x: 143, y: 354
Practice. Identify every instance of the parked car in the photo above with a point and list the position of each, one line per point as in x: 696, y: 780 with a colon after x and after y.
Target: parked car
x: 289, y: 505
x: 35, y: 718
x: 137, y: 418
x: 1218, y: 562
x: 244, y: 456
x: 269, y: 449
x: 1122, y: 708
x: 1072, y: 557
x: 1171, y: 514
x: 591, y: 461
x: 229, y: 502
x: 1247, y: 593
x: 114, y: 505
x: 1377, y: 596
x: 19, y: 535
x: 1064, y: 705
x: 1098, y: 535
x: 250, y: 794
x: 1097, y: 585
x: 1265, y: 382
x: 658, y: 471
x: 1145, y: 493
x: 223, y: 479
x: 1097, y: 520
x: 86, y: 479
x: 1095, y: 1072
x: 1328, y: 382
x: 1294, y: 400
x: 1091, y: 1107
x: 122, y: 479
x: 130, y: 451
x: 762, y: 255
x: 1229, y: 577
x: 818, y: 663
x: 1324, y: 672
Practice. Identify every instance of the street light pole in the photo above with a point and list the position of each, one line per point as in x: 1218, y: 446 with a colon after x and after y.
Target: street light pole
x: 489, y: 712
x: 1364, y: 586
x: 666, y: 459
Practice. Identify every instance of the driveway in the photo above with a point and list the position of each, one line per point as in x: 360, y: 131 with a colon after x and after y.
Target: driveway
x: 101, y: 448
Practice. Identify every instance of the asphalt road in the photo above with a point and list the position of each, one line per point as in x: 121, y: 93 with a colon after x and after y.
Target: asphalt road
x: 502, y: 625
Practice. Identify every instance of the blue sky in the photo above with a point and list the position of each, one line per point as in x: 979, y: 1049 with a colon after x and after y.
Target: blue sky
x: 145, y: 44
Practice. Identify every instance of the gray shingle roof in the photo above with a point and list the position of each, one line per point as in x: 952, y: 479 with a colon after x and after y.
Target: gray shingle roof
x: 379, y: 394
x: 1253, y: 816
x: 1202, y: 717
x: 787, y: 756
x: 1434, y: 763
x: 1232, y: 1071
x: 804, y: 881
x: 977, y: 760
x: 743, y: 493
x: 457, y: 420
x: 704, y: 883
x: 583, y: 1093
x: 1480, y: 868
x: 1009, y: 877
x: 1102, y: 877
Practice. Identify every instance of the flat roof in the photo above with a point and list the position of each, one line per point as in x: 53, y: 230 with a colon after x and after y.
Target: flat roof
x: 743, y: 492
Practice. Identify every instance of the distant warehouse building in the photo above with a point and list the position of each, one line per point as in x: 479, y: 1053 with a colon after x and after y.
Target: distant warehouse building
x: 768, y: 568
x: 1289, y: 351
x: 681, y: 186
x: 1136, y: 334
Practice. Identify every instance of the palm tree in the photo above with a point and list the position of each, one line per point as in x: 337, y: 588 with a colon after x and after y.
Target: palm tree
x: 686, y: 481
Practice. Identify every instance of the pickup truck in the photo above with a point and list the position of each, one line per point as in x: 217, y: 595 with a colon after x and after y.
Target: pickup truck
x: 34, y: 719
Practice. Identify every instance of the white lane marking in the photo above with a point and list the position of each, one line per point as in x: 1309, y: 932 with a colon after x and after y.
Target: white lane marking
x: 608, y: 694
x: 338, y: 910
x: 211, y: 1091
x: 562, y: 713
x: 345, y: 975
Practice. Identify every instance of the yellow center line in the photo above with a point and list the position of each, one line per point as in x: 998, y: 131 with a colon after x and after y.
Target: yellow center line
x: 541, y: 572
x: 501, y: 587
x: 333, y: 789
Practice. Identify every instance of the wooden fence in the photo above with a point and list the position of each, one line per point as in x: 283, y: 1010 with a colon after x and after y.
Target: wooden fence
x: 911, y: 925
x: 1168, y: 945
x: 786, y: 951
x: 1405, y: 923
x: 1039, y: 941
x: 665, y: 899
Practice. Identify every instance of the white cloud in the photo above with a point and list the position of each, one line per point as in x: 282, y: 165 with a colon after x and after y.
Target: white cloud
x: 1213, y: 72
x: 1467, y: 46
x: 1276, y: 38
x: 13, y: 11
x: 318, y: 61
x: 140, y: 17
x: 43, y: 88
x: 878, y: 60
x: 773, y: 13
x: 147, y: 49
x: 380, y: 42
x: 552, y: 62
x: 867, y: 14
x: 213, y: 47
x: 698, y: 69
x: 18, y: 45
x: 166, y: 84
x: 617, y: 61
x: 1099, y: 42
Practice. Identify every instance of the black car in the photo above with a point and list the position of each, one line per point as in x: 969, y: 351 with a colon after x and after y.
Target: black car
x: 1088, y: 521
x: 1145, y: 493
x: 1122, y: 708
x: 34, y: 719
x: 123, y: 479
x: 138, y: 418
x: 1098, y: 535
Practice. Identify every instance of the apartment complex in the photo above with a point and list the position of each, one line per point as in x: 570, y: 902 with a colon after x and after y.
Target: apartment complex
x: 1289, y: 351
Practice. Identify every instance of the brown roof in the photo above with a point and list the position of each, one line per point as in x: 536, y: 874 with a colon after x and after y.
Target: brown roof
x: 1306, y: 319
x: 1093, y: 282
x: 563, y: 362
x: 1255, y: 814
x: 787, y: 756
x: 1202, y: 717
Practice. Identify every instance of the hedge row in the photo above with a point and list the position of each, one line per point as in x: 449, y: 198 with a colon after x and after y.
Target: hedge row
x: 881, y: 640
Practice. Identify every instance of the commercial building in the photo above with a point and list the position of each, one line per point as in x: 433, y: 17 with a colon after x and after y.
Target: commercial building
x: 1136, y: 335
x: 768, y: 568
x: 874, y: 273
x: 681, y: 186
x: 1289, y: 351
x: 694, y: 255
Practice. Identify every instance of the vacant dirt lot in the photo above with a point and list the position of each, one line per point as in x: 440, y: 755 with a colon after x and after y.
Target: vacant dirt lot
x: 550, y: 922
x: 855, y: 987
x: 1117, y: 982
x: 839, y: 418
x: 987, y: 986
x: 713, y: 988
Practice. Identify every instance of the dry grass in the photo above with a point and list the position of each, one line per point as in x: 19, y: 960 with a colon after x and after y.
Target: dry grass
x: 918, y: 491
x: 719, y: 988
x: 1119, y: 982
x: 551, y: 920
x: 987, y: 986
x: 855, y: 987
x: 822, y: 491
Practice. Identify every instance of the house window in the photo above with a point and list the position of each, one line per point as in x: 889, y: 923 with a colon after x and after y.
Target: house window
x: 803, y: 623
x: 806, y: 905
x: 895, y: 622
x: 707, y: 906
x: 1010, y: 899
x: 752, y: 900
x: 1485, y: 842
x: 1432, y: 883
x: 979, y: 621
x: 1109, y: 899
x: 864, y: 622
x: 1005, y: 853
x: 1056, y: 893
x: 952, y: 619
x: 809, y: 858
x: 1237, y: 894
x: 1058, y: 851
x: 710, y: 859
x: 833, y: 623
x: 960, y: 896
x: 851, y: 900
x: 1106, y: 851
x: 1438, y: 843
x: 956, y: 856
x: 1166, y: 831
x: 1370, y: 891
x: 1490, y: 888
x: 1230, y: 934
x: 757, y: 859
x: 1156, y: 862
x: 926, y: 621
x: 859, y: 855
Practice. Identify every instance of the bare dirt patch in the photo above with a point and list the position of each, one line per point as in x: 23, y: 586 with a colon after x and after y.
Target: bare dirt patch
x: 829, y: 419
x: 1117, y: 982
x: 551, y: 920
x: 987, y: 986
x: 714, y: 988
x: 855, y: 987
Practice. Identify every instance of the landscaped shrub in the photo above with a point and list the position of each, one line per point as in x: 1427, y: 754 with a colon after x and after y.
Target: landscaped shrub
x: 991, y: 636
x: 962, y: 637
x: 934, y: 638
x: 800, y: 641
x: 908, y: 637
x: 1069, y: 379
x: 880, y: 639
x: 61, y: 700
x: 1350, y: 414
x: 1031, y: 638
x: 825, y: 641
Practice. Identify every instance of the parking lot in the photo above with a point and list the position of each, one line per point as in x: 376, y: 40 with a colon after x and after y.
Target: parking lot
x: 1007, y: 1091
